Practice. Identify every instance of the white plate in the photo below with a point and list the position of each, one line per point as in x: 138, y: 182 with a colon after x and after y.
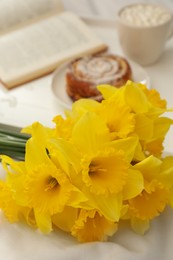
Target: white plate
x: 59, y: 82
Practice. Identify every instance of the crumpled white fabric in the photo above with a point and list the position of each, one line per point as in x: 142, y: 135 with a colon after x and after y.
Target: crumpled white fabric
x: 20, y: 242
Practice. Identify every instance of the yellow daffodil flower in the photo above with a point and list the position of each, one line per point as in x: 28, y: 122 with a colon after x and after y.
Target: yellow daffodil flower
x: 92, y: 226
x: 49, y: 184
x: 118, y: 117
x: 153, y: 198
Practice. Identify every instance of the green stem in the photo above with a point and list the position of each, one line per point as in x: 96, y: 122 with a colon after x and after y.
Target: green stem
x: 17, y: 155
x: 13, y: 135
x: 12, y: 142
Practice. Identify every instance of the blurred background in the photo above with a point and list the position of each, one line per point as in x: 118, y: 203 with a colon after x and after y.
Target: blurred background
x: 105, y: 8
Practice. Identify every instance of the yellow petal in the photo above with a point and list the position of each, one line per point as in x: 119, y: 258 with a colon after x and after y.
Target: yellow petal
x: 63, y: 153
x: 135, y: 98
x: 28, y: 215
x: 140, y: 226
x: 166, y: 174
x: 134, y: 185
x: 161, y: 127
x: 128, y: 145
x: 38, y: 131
x: 155, y: 147
x: 171, y: 197
x: 109, y: 206
x: 11, y: 165
x: 139, y: 153
x: 66, y: 219
x: 144, y: 127
x: 150, y: 167
x: 36, y: 154
x: 80, y: 107
x: 78, y: 199
x: 106, y: 90
x: 43, y: 221
x: 89, y: 133
x: 154, y: 97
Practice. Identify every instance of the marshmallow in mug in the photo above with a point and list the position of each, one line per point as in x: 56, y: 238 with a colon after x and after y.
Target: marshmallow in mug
x: 145, y: 15
x: 143, y: 31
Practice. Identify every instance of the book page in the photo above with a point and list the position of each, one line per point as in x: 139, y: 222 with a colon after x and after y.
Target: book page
x: 41, y: 47
x: 13, y: 12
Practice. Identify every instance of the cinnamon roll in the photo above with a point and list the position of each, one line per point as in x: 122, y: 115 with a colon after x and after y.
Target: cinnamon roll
x: 85, y: 73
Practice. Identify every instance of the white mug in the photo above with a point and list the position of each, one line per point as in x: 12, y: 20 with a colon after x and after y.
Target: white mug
x: 144, y: 43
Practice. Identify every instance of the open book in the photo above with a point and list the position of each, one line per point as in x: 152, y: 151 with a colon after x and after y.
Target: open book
x: 36, y: 36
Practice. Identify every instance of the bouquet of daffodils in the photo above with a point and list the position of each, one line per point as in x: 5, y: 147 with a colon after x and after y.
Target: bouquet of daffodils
x: 101, y: 165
